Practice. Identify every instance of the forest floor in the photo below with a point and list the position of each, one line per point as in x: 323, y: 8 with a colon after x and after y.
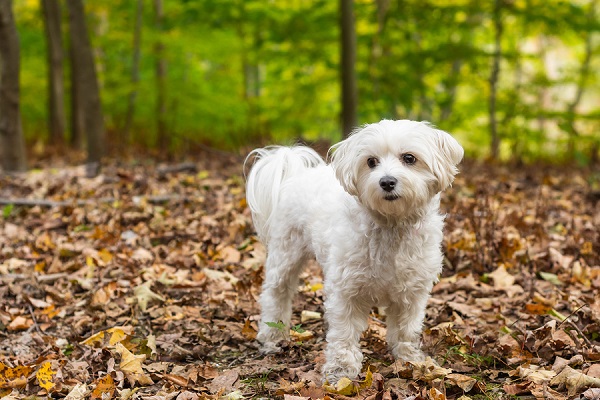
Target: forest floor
x: 143, y: 283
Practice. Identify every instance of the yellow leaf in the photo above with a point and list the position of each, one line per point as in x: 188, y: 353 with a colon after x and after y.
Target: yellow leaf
x: 117, y: 334
x: 13, y: 377
x: 40, y: 267
x: 344, y: 387
x: 89, y: 261
x: 105, y: 255
x: 347, y: 387
x: 44, y: 376
x: 95, y: 338
x: 131, y: 365
x: 587, y: 248
x: 316, y: 286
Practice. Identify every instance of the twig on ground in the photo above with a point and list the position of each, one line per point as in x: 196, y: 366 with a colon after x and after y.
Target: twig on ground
x: 35, y: 324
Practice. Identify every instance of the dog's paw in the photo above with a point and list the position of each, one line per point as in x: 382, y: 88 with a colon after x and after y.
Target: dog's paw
x: 333, y: 374
x: 269, y: 348
x: 408, y: 351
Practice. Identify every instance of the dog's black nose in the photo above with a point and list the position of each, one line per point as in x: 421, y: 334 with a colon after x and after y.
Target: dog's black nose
x: 388, y: 183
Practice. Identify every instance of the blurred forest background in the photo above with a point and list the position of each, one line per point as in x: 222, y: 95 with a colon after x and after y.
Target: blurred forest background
x: 514, y: 80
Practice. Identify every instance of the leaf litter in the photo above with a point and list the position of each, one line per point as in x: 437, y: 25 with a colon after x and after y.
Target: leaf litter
x: 143, y: 284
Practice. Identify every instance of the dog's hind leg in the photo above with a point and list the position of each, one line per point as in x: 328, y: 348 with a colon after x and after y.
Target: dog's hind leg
x: 283, y: 266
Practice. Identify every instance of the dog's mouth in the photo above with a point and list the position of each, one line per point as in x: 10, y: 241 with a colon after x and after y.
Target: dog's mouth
x: 391, y: 197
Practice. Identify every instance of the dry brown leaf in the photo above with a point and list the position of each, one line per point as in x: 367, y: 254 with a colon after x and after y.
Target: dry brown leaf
x: 20, y: 324
x: 428, y: 370
x: 464, y: 382
x: 143, y: 295
x: 535, y: 374
x: 574, y: 380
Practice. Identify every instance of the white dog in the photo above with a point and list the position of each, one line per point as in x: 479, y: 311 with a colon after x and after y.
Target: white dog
x: 371, y: 218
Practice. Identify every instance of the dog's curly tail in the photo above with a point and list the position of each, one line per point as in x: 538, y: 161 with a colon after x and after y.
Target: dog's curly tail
x: 271, y: 166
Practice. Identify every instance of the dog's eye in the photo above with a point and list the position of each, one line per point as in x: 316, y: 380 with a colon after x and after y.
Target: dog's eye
x: 372, y: 162
x: 409, y: 158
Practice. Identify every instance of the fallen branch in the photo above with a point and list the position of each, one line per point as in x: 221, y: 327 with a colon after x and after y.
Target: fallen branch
x: 66, y: 203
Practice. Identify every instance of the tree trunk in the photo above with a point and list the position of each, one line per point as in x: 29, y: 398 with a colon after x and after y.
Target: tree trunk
x: 584, y: 72
x: 348, y: 60
x: 135, y: 71
x: 84, y: 73
x: 493, y: 81
x: 161, y: 86
x: 77, y: 121
x: 12, y: 143
x: 56, y: 98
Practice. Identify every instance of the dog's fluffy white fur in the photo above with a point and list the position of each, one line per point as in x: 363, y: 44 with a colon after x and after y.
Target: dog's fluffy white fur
x: 370, y: 218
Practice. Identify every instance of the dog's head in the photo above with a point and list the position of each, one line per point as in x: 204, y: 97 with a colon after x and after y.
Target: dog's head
x: 394, y: 167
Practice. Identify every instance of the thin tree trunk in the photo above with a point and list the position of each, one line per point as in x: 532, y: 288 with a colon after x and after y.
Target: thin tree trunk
x: 85, y: 75
x: 348, y: 60
x: 12, y: 143
x: 77, y: 120
x: 135, y: 71
x: 56, y: 99
x: 161, y: 85
x: 584, y: 72
x: 493, y: 81
x: 376, y: 46
x: 451, y: 88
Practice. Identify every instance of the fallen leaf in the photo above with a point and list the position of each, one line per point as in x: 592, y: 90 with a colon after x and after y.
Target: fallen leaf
x: 302, y: 336
x: 291, y: 397
x: 428, y: 370
x: 248, y: 331
x: 592, y: 394
x: 464, y: 382
x: 79, y: 392
x: 574, y: 380
x: 435, y: 394
x: 20, y: 324
x: 44, y: 376
x: 143, y: 295
x: 14, y: 377
x: 535, y: 374
x: 105, y: 387
x: 131, y: 365
x: 348, y: 387
x: 306, y: 315
x: 549, y: 277
x: 224, y: 382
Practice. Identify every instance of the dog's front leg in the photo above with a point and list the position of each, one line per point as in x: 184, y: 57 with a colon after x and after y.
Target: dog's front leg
x: 347, y: 319
x: 404, y: 325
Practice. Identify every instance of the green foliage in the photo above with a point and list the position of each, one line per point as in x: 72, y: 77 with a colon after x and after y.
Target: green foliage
x: 277, y: 325
x: 7, y: 210
x: 246, y: 71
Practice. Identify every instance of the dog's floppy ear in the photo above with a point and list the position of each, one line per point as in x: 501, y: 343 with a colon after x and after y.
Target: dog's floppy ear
x: 445, y: 160
x: 342, y: 156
